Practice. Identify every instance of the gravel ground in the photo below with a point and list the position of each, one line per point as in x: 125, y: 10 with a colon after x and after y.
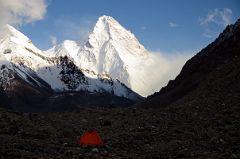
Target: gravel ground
x: 187, y: 131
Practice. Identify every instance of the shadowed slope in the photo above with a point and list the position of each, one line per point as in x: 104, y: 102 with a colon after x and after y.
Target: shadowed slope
x: 215, y: 69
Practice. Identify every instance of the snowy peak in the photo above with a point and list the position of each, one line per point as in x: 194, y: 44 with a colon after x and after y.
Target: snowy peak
x: 15, y: 41
x: 68, y: 48
x: 15, y: 36
x: 111, y: 52
x: 11, y: 31
x: 112, y: 28
x: 108, y: 30
x: 60, y: 69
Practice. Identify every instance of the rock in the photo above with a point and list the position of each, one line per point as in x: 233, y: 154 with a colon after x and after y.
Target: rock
x: 181, y: 155
x: 140, y: 129
x: 100, y: 118
x: 84, y: 121
x: 106, y: 123
x: 95, y: 150
x: 14, y: 130
x: 153, y: 127
x: 134, y: 110
x: 88, y: 154
x: 234, y: 156
x: 68, y: 152
x: 221, y: 140
x: 104, y: 153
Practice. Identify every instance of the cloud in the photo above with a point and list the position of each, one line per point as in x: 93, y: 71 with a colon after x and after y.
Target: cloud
x: 16, y: 12
x: 219, y: 17
x: 143, y: 27
x: 166, y: 67
x: 158, y: 70
x: 173, y: 25
x: 215, y: 18
x: 208, y: 33
x: 53, y: 40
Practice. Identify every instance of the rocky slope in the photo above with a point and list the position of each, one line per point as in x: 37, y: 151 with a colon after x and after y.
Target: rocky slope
x: 212, y: 73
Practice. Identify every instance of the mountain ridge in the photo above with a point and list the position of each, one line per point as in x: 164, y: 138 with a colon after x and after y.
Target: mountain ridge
x: 61, y: 68
x: 35, y: 59
x: 217, y: 58
x: 111, y: 51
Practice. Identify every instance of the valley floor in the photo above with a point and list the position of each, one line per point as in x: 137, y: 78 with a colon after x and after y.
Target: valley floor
x: 127, y: 133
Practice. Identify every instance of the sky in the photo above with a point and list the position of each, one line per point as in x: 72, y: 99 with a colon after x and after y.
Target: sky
x: 160, y: 25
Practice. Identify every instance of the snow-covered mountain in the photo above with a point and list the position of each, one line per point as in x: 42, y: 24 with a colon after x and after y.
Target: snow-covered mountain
x: 19, y: 57
x: 110, y: 51
x: 112, y: 60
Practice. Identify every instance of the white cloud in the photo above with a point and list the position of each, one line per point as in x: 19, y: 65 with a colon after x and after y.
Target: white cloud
x: 173, y: 25
x: 208, y: 33
x: 18, y: 12
x: 53, y: 40
x: 219, y: 17
x: 161, y: 68
x: 215, y: 17
x: 143, y: 27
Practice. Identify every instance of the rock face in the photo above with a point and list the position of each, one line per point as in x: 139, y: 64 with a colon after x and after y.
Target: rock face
x: 213, y: 72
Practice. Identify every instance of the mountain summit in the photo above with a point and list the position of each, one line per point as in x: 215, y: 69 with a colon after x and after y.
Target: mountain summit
x: 108, y: 63
x: 108, y: 30
x: 111, y: 51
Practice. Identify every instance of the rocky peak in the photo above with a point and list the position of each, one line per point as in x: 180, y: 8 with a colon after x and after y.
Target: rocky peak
x: 108, y: 30
x: 230, y: 30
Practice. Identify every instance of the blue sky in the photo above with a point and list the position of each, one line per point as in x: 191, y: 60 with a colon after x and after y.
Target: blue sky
x: 160, y: 25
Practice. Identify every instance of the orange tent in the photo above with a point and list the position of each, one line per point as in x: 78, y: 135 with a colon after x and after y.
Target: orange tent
x: 90, y: 138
